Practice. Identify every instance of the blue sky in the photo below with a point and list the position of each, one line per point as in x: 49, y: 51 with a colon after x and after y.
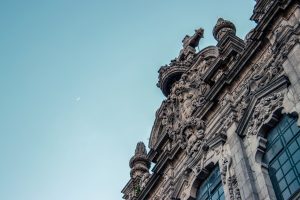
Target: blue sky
x: 77, y: 82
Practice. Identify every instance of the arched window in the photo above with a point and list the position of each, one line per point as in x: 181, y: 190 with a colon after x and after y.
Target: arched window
x: 211, y: 188
x: 283, y: 158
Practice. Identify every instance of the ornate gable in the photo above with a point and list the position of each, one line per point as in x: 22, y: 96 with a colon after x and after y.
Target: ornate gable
x: 217, y: 100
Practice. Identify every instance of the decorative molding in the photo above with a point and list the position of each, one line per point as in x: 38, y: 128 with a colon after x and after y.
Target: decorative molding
x: 228, y: 176
x: 263, y: 111
x: 191, y: 136
x: 236, y: 81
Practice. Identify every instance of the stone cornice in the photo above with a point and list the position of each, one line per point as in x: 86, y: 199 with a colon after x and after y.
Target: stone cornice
x: 220, y: 138
x: 265, y: 10
x: 158, y: 170
x: 150, y: 185
x: 227, y: 77
x: 127, y: 187
x: 153, y: 154
x: 165, y: 157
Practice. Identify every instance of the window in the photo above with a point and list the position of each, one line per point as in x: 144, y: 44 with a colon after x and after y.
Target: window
x: 211, y: 188
x: 283, y: 158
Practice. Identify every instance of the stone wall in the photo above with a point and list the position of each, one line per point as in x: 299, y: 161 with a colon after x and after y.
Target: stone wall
x: 219, y: 104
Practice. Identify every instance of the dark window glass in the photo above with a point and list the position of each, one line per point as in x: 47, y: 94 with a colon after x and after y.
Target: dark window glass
x: 211, y: 188
x: 283, y: 157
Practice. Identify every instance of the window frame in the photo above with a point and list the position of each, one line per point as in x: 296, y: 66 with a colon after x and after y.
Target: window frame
x: 280, y: 140
x: 212, y: 186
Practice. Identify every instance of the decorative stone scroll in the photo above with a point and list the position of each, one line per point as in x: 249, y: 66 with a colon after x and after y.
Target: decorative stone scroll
x: 192, y: 135
x: 263, y: 111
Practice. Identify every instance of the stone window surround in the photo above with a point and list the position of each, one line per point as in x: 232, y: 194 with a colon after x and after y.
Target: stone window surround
x: 283, y: 135
x: 267, y: 189
x: 217, y: 182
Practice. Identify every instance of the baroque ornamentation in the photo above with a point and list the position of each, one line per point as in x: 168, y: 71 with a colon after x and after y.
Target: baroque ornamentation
x: 234, y: 190
x: 186, y: 96
x: 189, y: 95
x: 228, y: 177
x: 169, y: 74
x: 263, y: 77
x: 192, y: 135
x: 166, y: 184
x: 210, y: 156
x: 227, y: 120
x: 291, y: 43
x: 227, y: 86
x: 144, y: 180
x: 285, y: 37
x: 190, y: 43
x: 263, y: 111
x: 266, y: 70
x: 222, y: 27
x: 261, y: 9
x: 139, y: 165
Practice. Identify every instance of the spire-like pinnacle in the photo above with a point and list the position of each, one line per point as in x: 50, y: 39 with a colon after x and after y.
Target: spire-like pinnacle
x: 139, y: 163
x: 140, y: 149
x: 222, y: 27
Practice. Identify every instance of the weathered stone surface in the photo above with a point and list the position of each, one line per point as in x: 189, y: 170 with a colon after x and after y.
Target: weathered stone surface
x: 219, y: 102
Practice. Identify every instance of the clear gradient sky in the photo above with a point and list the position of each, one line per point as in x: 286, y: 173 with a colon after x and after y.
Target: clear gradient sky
x: 77, y: 83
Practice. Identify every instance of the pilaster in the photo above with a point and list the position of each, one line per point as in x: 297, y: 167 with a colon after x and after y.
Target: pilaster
x: 291, y: 67
x: 241, y: 166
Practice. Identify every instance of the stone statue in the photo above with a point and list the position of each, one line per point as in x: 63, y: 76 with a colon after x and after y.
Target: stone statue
x: 189, y: 44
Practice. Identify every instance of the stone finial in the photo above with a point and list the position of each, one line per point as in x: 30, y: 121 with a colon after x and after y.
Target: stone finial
x: 222, y: 28
x: 139, y: 163
x: 140, y: 149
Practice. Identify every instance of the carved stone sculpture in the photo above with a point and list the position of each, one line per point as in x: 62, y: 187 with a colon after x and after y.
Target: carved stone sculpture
x: 190, y: 43
x: 263, y: 111
x: 217, y: 100
x: 192, y: 135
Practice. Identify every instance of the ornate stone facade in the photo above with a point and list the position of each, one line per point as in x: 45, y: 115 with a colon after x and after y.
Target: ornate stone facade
x: 219, y: 102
